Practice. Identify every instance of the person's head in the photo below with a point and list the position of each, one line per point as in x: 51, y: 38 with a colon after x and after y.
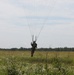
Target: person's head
x: 34, y: 41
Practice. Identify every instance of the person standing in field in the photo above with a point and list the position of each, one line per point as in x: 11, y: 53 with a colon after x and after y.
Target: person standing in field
x: 34, y: 46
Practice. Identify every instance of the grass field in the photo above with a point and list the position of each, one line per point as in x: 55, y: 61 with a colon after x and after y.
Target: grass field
x: 43, y: 63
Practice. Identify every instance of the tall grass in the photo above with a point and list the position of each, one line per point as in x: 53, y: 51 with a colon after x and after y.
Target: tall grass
x: 41, y: 65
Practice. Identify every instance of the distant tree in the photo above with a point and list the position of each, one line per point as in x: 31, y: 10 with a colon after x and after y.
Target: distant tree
x: 14, y: 49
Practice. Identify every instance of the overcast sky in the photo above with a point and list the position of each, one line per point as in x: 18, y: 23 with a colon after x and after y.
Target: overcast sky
x: 52, y: 20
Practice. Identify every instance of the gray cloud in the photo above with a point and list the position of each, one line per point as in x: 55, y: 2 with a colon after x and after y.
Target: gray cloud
x: 57, y: 18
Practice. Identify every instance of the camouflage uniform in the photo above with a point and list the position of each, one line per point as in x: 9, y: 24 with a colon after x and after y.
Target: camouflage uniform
x: 34, y: 46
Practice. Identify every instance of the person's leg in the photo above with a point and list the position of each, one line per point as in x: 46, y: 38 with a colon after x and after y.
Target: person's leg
x: 32, y: 52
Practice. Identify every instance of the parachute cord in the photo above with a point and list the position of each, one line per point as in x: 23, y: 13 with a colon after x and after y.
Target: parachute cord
x: 45, y: 22
x: 40, y: 32
x: 30, y: 30
x: 42, y: 25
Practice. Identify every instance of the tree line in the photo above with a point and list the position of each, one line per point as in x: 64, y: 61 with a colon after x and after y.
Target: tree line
x: 39, y: 49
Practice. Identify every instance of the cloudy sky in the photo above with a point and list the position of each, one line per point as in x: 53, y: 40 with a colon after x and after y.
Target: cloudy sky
x: 52, y: 21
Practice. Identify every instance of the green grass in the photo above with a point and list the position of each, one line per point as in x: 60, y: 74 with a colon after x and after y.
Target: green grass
x: 43, y: 63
